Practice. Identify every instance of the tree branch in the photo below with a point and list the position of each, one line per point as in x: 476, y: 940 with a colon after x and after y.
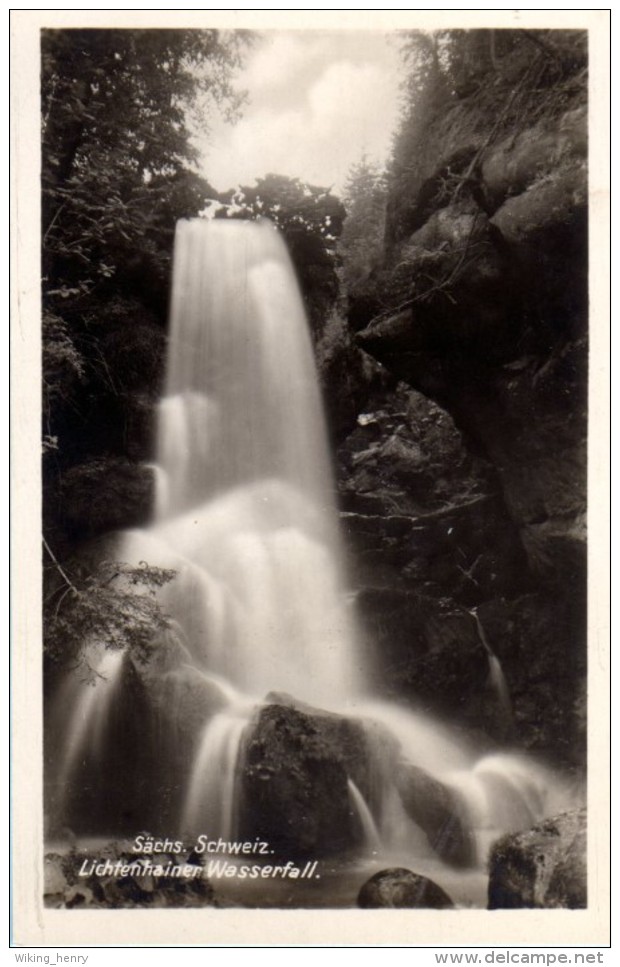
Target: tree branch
x: 59, y: 568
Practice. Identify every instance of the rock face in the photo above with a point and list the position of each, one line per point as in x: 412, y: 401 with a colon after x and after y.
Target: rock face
x: 400, y: 888
x: 431, y: 539
x: 544, y: 867
x: 481, y: 307
x: 499, y: 338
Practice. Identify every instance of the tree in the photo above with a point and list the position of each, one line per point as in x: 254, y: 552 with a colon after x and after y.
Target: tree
x: 362, y: 239
x: 116, y: 175
x: 115, y: 106
x: 110, y: 604
x: 470, y: 88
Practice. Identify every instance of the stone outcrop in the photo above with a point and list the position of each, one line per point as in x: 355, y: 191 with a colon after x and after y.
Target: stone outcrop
x: 430, y: 539
x: 494, y: 328
x: 294, y: 782
x: 481, y: 308
x: 294, y: 785
x: 544, y: 867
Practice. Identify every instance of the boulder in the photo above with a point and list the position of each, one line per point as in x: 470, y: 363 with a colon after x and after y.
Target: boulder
x: 518, y: 161
x: 406, y: 457
x: 550, y: 202
x: 428, y: 649
x: 400, y: 888
x: 294, y: 786
x: 543, y: 867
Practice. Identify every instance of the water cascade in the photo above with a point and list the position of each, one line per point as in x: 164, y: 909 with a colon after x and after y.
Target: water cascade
x: 83, y: 730
x: 211, y: 801
x: 245, y: 471
x: 245, y: 517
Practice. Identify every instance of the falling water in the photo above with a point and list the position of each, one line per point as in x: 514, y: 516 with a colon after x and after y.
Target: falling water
x: 90, y: 709
x: 79, y: 722
x: 246, y: 519
x: 497, y: 679
x: 247, y: 499
x: 211, y: 798
x: 372, y: 837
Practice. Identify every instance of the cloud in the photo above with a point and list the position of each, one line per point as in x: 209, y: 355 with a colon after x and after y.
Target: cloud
x: 275, y: 62
x: 312, y: 114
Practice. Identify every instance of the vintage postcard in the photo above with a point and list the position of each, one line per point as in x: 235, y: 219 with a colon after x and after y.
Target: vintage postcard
x: 310, y: 327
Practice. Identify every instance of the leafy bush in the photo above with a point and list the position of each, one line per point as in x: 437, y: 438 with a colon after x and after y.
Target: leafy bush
x: 111, y: 604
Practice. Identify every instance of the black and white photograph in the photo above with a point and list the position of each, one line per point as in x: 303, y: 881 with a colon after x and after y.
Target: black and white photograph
x: 313, y: 322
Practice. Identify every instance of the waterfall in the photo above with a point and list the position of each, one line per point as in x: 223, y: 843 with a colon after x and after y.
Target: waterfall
x: 248, y: 497
x: 212, y: 794
x: 90, y: 707
x: 78, y: 725
x: 245, y: 517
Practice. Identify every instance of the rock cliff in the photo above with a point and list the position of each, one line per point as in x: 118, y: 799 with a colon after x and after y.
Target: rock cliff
x: 480, y: 310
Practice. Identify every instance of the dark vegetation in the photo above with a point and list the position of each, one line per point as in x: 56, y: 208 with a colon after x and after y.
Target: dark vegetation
x: 447, y: 298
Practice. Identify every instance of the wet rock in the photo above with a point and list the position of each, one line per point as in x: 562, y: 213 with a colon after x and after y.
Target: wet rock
x: 348, y: 377
x: 171, y: 704
x: 507, y: 358
x: 295, y: 778
x: 183, y: 687
x: 139, y: 416
x: 438, y: 810
x: 400, y: 888
x: 543, y: 867
x: 568, y: 886
x: 544, y: 662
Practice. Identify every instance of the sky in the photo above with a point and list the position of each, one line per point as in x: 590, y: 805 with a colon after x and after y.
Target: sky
x: 318, y: 100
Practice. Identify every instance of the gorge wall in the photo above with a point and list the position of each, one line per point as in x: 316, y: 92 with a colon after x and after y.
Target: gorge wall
x: 465, y: 487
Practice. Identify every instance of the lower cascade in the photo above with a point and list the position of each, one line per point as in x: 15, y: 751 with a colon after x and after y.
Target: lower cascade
x: 258, y: 617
